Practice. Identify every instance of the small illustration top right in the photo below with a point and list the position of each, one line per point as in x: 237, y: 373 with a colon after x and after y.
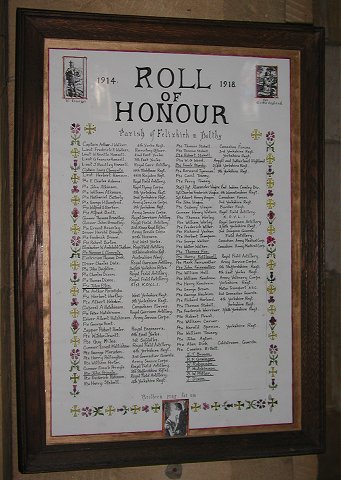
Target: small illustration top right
x: 266, y: 81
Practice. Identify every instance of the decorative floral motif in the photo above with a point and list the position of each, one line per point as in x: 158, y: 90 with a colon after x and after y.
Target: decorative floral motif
x: 87, y: 411
x: 261, y: 403
x: 75, y: 240
x: 75, y: 128
x: 75, y: 326
x: 270, y: 136
x: 124, y: 409
x: 110, y: 410
x: 270, y: 240
x: 75, y: 213
x: 98, y: 411
x: 75, y: 353
x: 272, y: 321
x: 271, y: 216
x: 271, y: 243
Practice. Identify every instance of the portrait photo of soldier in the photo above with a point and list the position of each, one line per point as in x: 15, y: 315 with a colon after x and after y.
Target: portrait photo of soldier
x: 175, y: 418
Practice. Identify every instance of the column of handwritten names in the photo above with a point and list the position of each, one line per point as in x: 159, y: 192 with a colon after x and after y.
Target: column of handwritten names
x: 196, y: 262
x: 104, y: 176
x: 219, y: 253
x: 149, y: 272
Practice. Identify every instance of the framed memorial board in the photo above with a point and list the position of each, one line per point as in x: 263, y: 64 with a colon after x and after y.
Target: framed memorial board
x: 168, y: 240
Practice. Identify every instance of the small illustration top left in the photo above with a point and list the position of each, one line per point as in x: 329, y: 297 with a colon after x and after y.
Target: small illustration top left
x: 74, y: 77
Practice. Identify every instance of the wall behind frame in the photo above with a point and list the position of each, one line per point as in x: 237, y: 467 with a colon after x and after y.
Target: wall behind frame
x: 304, y: 11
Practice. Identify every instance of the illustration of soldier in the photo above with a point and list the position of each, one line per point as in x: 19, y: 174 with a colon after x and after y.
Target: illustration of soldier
x: 267, y: 81
x: 74, y: 85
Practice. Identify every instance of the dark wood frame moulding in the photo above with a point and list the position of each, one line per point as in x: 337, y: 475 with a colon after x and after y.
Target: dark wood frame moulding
x: 33, y: 27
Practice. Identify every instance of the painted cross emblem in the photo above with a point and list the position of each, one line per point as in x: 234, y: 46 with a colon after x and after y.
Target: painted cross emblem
x: 75, y: 341
x: 273, y: 371
x: 75, y: 411
x: 271, y: 264
x: 215, y: 406
x: 75, y: 265
x: 74, y: 312
x: 74, y: 291
x: 239, y: 405
x: 270, y: 203
x: 271, y: 289
x: 272, y: 403
x: 256, y: 134
x: 272, y: 336
x: 75, y: 199
x: 75, y: 228
x: 195, y: 407
x: 109, y: 410
x: 74, y: 378
x: 270, y: 183
x: 74, y: 178
x: 89, y: 128
x: 156, y: 408
x: 135, y: 409
x: 272, y: 309
x: 271, y: 229
x: 75, y: 152
x: 270, y: 158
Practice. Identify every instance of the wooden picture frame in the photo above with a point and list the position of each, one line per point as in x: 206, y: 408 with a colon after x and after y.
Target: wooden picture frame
x: 37, y: 247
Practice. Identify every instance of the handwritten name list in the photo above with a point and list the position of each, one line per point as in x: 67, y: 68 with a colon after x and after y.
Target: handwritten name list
x: 185, y: 237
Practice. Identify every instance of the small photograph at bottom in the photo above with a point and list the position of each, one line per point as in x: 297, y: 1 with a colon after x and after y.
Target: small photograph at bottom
x: 175, y: 418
